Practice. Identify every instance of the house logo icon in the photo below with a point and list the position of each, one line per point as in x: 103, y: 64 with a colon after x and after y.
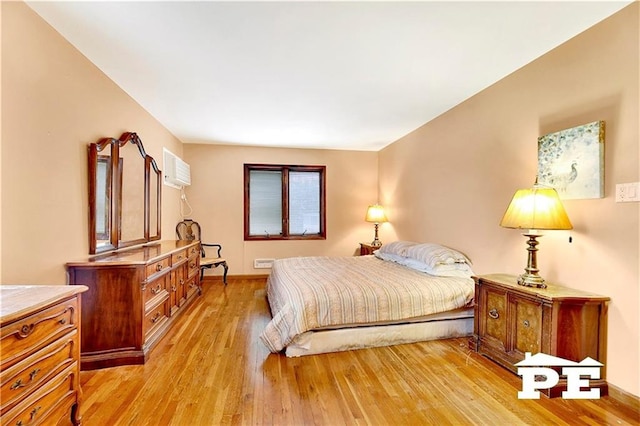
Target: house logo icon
x: 533, y: 368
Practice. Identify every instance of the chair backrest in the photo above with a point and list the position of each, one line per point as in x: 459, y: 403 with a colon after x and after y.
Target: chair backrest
x: 188, y: 230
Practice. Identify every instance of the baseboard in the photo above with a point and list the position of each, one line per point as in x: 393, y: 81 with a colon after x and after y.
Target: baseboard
x: 218, y: 278
x: 624, y: 397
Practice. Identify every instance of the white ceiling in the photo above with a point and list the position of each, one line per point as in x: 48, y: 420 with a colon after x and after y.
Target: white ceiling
x: 340, y: 75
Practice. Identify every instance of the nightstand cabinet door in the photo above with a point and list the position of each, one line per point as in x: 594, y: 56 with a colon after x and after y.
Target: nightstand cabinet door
x: 493, y: 319
x: 527, y: 326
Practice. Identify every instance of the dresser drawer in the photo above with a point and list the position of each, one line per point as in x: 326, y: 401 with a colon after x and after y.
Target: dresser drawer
x: 155, y: 317
x: 158, y: 266
x: 193, y: 251
x: 36, y: 331
x: 155, y: 290
x: 47, y: 404
x: 191, y: 287
x: 193, y: 268
x: 26, y: 376
x: 179, y: 257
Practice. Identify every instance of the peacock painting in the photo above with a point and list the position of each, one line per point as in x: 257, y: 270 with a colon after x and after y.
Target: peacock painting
x: 571, y: 161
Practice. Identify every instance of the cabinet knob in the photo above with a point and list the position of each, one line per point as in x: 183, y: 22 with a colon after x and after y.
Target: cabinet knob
x: 526, y: 323
x: 493, y: 313
x: 159, y: 267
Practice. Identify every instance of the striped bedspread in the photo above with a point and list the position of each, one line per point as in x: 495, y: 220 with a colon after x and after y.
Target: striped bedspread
x: 308, y: 293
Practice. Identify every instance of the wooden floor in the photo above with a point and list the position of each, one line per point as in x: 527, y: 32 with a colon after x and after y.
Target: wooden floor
x: 212, y: 369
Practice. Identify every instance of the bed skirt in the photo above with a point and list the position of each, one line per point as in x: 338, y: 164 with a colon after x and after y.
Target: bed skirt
x: 446, y: 325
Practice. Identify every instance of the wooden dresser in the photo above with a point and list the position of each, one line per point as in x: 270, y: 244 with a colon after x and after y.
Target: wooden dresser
x: 40, y: 354
x: 134, y: 296
x: 511, y: 319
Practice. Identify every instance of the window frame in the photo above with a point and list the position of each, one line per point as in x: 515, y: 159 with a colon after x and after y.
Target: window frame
x: 285, y: 169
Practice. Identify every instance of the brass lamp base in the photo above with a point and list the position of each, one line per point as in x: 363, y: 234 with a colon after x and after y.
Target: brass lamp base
x: 531, y: 278
x: 376, y: 242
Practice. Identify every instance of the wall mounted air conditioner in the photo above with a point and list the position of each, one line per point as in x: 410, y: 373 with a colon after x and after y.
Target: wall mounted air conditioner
x: 176, y: 172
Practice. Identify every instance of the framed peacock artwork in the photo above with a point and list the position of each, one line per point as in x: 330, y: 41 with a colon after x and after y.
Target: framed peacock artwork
x: 572, y: 161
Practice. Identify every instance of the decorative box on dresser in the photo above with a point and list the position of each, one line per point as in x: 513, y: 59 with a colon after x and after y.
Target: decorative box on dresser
x: 134, y: 297
x: 512, y: 319
x: 40, y: 354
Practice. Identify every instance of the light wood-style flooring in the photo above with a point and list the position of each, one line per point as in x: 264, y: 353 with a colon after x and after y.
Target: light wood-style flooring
x: 212, y: 369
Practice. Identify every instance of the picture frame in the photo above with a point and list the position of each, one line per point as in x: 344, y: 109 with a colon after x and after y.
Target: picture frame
x: 572, y: 161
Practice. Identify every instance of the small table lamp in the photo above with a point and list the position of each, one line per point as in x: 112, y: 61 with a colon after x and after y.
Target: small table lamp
x: 537, y: 208
x: 375, y: 215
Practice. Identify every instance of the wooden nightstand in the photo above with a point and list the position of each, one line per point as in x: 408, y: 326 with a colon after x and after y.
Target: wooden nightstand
x: 367, y: 248
x: 511, y: 319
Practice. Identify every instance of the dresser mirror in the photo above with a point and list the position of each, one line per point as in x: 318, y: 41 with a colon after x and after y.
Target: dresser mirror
x: 124, y: 194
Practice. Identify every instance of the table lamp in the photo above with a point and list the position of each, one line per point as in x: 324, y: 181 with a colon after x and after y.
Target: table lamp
x: 375, y: 215
x: 535, y: 209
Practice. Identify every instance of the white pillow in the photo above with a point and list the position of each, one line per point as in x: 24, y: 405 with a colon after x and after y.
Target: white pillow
x: 397, y: 248
x: 436, y: 254
x: 440, y: 270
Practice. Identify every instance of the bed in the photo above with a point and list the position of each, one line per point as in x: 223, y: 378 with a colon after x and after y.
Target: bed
x: 406, y: 292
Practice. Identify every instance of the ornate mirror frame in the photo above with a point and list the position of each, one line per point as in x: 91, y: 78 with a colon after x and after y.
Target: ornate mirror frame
x: 124, y: 196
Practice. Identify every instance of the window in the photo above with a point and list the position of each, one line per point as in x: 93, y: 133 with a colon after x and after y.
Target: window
x: 284, y: 202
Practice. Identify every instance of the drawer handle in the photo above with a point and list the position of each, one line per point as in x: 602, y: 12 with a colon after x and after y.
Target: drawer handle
x: 34, y: 412
x: 174, y: 288
x: 192, y: 266
x: 494, y: 313
x: 159, y: 267
x: 17, y: 385
x: 157, y: 289
x: 63, y: 321
x: 33, y: 374
x: 179, y: 256
x: 526, y: 323
x: 156, y: 317
x: 181, y: 281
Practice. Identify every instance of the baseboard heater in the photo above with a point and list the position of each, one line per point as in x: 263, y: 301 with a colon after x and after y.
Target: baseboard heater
x: 263, y: 263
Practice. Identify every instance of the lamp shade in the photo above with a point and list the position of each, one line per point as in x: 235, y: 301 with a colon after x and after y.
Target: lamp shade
x: 375, y: 214
x: 536, y: 208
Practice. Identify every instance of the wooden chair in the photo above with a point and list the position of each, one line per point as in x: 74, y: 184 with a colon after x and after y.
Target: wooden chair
x: 190, y: 230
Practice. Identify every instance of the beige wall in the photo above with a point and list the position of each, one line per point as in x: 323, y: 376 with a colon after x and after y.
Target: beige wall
x: 451, y: 180
x: 216, y: 196
x: 54, y: 103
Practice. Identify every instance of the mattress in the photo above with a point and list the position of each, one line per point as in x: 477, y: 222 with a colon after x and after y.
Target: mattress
x: 315, y: 293
x: 443, y: 325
